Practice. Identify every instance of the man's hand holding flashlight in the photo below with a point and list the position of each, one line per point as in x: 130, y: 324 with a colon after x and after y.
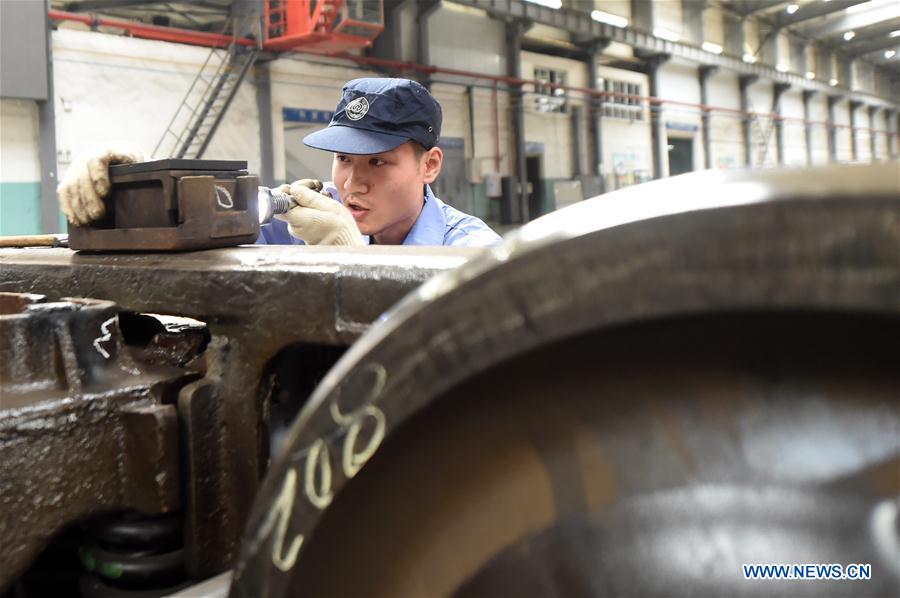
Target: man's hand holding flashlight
x: 318, y: 219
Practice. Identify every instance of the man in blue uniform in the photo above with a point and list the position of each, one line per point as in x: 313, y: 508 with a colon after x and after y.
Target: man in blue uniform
x: 384, y: 137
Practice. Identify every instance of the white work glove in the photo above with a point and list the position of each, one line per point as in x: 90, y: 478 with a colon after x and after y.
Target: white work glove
x: 86, y: 183
x: 318, y: 219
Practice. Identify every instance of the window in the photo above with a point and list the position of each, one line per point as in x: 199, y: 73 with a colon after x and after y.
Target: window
x: 626, y: 103
x: 550, y: 99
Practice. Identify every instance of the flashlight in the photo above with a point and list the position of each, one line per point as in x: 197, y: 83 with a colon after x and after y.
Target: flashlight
x: 271, y: 202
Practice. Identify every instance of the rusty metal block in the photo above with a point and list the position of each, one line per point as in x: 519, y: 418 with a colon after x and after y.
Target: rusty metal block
x: 174, y: 205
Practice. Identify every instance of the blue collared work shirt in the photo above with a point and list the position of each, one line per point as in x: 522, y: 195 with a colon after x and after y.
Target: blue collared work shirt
x: 437, y: 224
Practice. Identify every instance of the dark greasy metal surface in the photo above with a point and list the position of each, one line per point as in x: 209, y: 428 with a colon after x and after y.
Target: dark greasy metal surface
x: 255, y: 301
x: 308, y: 294
x: 821, y: 241
x: 640, y: 461
x: 82, y: 427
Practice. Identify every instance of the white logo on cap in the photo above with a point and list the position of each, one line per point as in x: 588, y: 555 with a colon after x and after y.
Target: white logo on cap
x: 357, y: 108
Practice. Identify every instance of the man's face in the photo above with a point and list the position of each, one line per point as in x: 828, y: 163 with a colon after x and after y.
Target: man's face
x: 384, y: 192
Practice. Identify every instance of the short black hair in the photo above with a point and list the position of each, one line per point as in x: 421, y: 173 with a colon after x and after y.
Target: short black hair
x: 418, y: 148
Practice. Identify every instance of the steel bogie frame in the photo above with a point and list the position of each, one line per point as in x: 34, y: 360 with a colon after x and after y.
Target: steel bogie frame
x: 256, y: 301
x: 84, y: 427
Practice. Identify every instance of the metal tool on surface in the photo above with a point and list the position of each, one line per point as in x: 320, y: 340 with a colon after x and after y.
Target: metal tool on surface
x: 20, y: 241
x: 174, y: 205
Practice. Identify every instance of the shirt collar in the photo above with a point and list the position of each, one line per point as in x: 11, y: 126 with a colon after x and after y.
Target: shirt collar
x: 429, y: 227
x: 431, y: 224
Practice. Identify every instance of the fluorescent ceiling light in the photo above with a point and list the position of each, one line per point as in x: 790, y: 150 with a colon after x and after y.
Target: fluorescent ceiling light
x: 890, y: 53
x: 749, y: 58
x: 832, y: 82
x: 849, y: 35
x: 609, y: 19
x: 666, y: 34
x: 782, y: 68
x: 792, y: 8
x: 554, y: 4
x: 711, y: 47
x: 868, y: 5
x: 895, y: 33
x: 810, y: 75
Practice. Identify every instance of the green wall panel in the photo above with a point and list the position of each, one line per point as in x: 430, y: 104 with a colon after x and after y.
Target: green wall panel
x: 20, y: 208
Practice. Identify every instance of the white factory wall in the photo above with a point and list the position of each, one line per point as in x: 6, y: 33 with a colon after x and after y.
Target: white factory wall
x: 313, y: 84
x: 882, y: 146
x: 752, y: 39
x: 725, y: 127
x: 111, y: 87
x: 862, y: 134
x: 678, y: 82
x: 818, y: 114
x: 668, y: 15
x: 714, y: 25
x: 793, y: 128
x: 627, y: 158
x: 842, y: 132
x: 20, y: 172
x: 554, y: 130
x: 460, y: 37
x: 762, y: 129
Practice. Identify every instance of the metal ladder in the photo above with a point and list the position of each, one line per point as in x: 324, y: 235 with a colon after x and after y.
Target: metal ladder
x: 764, y: 136
x: 196, y: 118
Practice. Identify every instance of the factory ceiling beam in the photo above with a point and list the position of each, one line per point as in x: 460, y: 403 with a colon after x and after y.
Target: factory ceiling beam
x: 871, y: 45
x: 101, y: 5
x: 850, y: 22
x: 580, y: 23
x: 749, y: 7
x: 874, y: 37
x: 812, y: 11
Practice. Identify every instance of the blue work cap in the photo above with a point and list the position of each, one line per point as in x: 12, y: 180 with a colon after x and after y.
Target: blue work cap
x: 376, y: 115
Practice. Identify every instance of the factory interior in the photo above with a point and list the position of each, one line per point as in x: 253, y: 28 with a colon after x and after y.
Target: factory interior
x: 408, y: 298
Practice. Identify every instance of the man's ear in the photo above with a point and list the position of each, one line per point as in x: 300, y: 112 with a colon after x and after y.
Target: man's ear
x: 432, y: 161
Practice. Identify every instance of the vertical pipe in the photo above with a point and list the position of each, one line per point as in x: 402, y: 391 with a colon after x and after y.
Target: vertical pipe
x: 577, y: 141
x: 873, y: 146
x: 744, y: 83
x: 854, y: 149
x: 595, y: 109
x: 807, y: 125
x: 264, y: 107
x: 47, y: 141
x: 595, y: 113
x: 832, y: 129
x: 778, y: 90
x: 495, y: 109
x: 470, y: 96
x: 657, y: 132
x: 890, y: 119
x: 705, y: 73
x: 514, y: 31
